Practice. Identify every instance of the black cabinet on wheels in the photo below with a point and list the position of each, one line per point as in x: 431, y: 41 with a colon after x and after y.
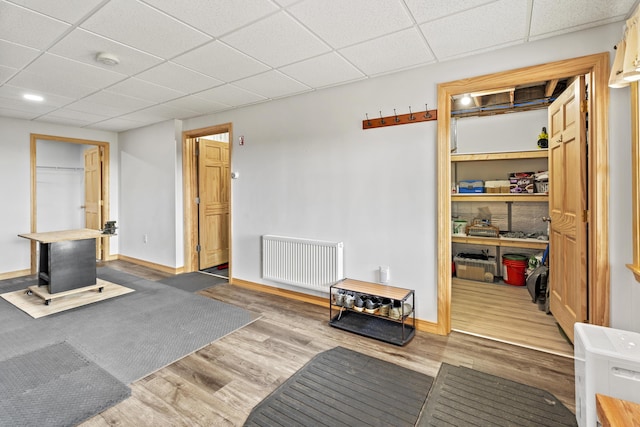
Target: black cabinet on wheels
x: 67, y: 265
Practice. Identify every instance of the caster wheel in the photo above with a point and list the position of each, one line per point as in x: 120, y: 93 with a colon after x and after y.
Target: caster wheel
x: 100, y: 289
x: 47, y: 302
x: 29, y: 293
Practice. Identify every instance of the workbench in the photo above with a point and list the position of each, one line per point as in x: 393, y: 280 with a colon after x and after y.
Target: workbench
x: 67, y: 262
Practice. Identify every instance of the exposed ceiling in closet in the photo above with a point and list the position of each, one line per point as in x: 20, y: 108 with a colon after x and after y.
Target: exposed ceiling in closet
x: 177, y: 59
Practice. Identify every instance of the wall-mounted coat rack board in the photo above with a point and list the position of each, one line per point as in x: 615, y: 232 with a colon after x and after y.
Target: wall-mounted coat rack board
x: 399, y: 119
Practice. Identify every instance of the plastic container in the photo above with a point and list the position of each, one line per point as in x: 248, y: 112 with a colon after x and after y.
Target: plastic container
x: 515, y: 267
x: 475, y: 269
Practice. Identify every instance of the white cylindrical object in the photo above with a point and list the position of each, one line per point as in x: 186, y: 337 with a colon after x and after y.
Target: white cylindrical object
x: 384, y: 274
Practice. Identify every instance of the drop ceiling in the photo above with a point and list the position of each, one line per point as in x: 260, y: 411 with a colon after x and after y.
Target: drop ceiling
x: 179, y: 59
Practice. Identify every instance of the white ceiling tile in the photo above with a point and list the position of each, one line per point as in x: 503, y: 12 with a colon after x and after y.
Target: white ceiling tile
x: 429, y: 10
x: 389, y: 53
x: 142, y: 27
x: 15, y: 55
x: 22, y: 26
x: 83, y: 116
x: 42, y: 83
x: 63, y: 121
x: 30, y: 108
x: 230, y: 95
x: 83, y: 46
x: 324, y: 70
x: 221, y: 62
x: 167, y: 112
x: 472, y: 32
x: 199, y: 105
x: 54, y: 66
x: 137, y: 88
x: 551, y: 17
x: 277, y: 40
x: 285, y: 3
x: 6, y: 72
x: 68, y: 10
x: 342, y: 23
x: 16, y: 114
x: 51, y: 101
x: 272, y: 84
x: 118, y: 124
x: 179, y: 78
x: 216, y: 17
x: 104, y: 102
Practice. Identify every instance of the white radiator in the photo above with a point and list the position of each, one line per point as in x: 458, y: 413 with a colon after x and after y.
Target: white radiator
x: 312, y: 264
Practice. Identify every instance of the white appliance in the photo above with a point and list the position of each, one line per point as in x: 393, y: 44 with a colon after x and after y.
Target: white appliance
x: 607, y: 361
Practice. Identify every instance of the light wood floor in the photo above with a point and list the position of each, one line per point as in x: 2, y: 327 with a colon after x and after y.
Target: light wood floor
x: 220, y: 384
x: 506, y: 313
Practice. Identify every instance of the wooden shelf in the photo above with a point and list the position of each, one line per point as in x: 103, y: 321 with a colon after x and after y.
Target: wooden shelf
x: 501, y: 241
x: 377, y: 289
x: 513, y: 155
x: 500, y: 197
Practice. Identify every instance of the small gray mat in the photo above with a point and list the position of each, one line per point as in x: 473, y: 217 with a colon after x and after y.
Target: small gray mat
x: 466, y: 397
x: 55, y: 386
x: 192, y: 282
x: 341, y: 387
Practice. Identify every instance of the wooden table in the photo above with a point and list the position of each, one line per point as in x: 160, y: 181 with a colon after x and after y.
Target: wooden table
x: 67, y: 262
x: 614, y: 412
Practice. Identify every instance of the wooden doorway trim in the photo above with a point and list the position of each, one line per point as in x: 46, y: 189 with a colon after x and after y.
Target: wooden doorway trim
x: 190, y: 191
x: 596, y: 67
x: 34, y: 186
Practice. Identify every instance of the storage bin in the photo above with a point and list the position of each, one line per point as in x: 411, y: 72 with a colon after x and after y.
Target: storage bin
x: 471, y: 186
x: 542, y: 186
x: 475, y: 269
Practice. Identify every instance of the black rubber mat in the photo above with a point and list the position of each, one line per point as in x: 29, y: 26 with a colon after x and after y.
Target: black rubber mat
x: 466, y: 397
x: 341, y: 387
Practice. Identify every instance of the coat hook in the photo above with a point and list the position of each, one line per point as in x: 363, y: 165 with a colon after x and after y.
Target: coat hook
x: 381, y: 118
x: 396, y: 114
x: 428, y: 114
x: 411, y: 116
x: 368, y: 121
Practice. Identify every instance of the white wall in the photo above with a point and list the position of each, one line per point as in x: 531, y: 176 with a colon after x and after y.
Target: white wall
x: 307, y: 169
x: 148, y: 202
x: 15, y: 184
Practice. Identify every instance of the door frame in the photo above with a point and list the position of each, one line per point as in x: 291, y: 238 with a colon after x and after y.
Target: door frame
x: 596, y: 66
x: 190, y: 192
x: 34, y: 186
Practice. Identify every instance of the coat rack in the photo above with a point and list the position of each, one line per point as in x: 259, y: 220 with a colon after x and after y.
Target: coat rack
x: 402, y: 119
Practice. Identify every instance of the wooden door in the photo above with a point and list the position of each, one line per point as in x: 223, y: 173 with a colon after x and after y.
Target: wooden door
x: 213, y: 208
x: 93, y: 193
x: 568, y: 207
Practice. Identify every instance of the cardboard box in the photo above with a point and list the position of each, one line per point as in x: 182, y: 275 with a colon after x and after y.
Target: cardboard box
x: 522, y: 182
x: 497, y: 186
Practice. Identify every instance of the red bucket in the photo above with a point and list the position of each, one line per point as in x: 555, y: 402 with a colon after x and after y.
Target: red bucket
x: 515, y: 269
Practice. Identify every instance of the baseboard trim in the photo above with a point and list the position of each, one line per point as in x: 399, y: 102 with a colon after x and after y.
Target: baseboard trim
x: 159, y: 267
x: 13, y: 274
x: 298, y: 296
x: 421, y: 325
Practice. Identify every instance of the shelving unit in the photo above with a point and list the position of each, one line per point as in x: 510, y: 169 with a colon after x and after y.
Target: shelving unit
x: 499, y: 161
x: 394, y: 331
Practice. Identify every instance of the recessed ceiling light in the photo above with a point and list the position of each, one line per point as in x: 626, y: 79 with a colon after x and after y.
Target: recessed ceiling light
x: 32, y: 97
x: 465, y: 100
x: 107, y: 59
